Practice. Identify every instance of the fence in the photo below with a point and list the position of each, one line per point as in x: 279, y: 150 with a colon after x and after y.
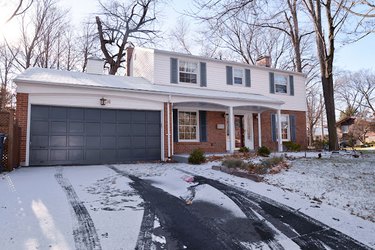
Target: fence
x: 11, y: 153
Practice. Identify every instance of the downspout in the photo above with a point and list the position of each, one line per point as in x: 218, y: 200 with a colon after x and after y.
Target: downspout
x: 169, y: 126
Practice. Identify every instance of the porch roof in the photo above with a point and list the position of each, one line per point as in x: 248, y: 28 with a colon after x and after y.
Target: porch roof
x: 54, y: 77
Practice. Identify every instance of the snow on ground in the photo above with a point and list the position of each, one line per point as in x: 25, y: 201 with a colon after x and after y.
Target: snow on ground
x: 345, y: 183
x: 35, y: 214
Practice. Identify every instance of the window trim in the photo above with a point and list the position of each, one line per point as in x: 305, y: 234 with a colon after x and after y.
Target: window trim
x: 288, y: 131
x: 197, y: 73
x: 242, y: 77
x: 197, y: 139
x: 287, y: 84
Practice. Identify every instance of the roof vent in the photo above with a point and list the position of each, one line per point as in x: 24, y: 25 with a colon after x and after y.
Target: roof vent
x: 95, y: 65
x: 264, y: 61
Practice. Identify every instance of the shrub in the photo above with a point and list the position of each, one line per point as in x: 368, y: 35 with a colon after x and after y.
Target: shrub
x: 273, y: 161
x: 197, y: 157
x: 292, y: 146
x: 234, y: 163
x: 263, y: 151
x: 244, y: 149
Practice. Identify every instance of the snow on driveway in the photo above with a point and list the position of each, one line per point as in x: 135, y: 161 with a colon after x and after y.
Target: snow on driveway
x: 95, y: 207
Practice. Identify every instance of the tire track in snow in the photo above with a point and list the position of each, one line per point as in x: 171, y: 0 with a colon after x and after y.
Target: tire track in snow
x: 311, y: 234
x: 144, y: 241
x: 183, y: 229
x: 84, y: 232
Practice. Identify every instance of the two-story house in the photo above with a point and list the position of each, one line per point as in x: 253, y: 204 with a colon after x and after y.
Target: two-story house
x: 170, y: 103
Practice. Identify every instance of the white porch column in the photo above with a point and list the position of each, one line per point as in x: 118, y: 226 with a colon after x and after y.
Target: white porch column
x: 259, y: 131
x: 279, y: 140
x: 231, y: 130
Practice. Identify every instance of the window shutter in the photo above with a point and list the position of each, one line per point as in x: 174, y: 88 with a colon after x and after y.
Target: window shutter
x: 203, y: 126
x: 174, y: 70
x: 247, y: 78
x: 203, y: 72
x: 175, y: 125
x: 272, y: 82
x: 229, y: 75
x: 273, y: 127
x: 292, y: 121
x: 291, y: 85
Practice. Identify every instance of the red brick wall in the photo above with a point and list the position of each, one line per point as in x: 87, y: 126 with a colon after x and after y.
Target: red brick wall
x: 21, y: 115
x: 301, y: 136
x: 216, y: 138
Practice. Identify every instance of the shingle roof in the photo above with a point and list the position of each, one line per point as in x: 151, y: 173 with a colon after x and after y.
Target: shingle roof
x: 79, y: 79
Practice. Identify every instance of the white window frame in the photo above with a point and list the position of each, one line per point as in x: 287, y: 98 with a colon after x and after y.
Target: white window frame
x: 286, y: 84
x: 345, y: 129
x: 180, y: 61
x: 197, y: 126
x: 288, y: 129
x: 242, y: 76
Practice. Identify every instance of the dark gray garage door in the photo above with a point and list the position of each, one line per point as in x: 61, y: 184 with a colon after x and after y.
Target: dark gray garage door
x: 64, y: 135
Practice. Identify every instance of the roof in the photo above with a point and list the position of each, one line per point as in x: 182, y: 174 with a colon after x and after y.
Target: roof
x: 44, y: 76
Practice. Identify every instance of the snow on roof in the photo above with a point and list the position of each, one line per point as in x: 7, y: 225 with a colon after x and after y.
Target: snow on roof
x: 80, y: 79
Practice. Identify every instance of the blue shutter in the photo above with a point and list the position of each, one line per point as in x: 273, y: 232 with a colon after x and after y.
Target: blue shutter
x: 292, y: 121
x: 174, y: 70
x: 175, y: 125
x: 247, y: 78
x: 273, y: 127
x: 203, y: 126
x: 229, y: 75
x: 272, y: 82
x: 203, y: 73
x: 291, y: 85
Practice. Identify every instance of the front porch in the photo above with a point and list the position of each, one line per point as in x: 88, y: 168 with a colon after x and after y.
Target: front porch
x: 218, y: 128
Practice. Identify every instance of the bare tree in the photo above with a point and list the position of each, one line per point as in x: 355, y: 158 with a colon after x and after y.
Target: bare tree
x: 315, y: 108
x: 359, y: 130
x: 87, y: 43
x: 39, y: 29
x: 21, y: 7
x: 7, y: 71
x: 180, y: 36
x: 120, y: 24
x: 355, y: 92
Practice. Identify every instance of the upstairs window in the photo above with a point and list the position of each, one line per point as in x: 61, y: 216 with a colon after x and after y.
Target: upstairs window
x: 238, y: 76
x: 188, y: 72
x: 345, y: 129
x: 281, y: 84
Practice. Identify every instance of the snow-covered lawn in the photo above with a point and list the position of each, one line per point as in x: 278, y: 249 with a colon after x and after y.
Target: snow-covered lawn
x: 49, y: 207
x: 342, y: 182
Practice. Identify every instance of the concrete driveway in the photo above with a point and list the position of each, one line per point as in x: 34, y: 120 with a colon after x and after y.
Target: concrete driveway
x: 148, y: 206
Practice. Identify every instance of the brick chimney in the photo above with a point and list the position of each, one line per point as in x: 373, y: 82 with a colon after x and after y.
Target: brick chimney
x: 264, y: 61
x: 129, y: 54
x: 95, y: 65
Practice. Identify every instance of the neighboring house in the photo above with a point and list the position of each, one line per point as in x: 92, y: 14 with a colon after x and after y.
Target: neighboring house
x: 345, y: 129
x: 169, y: 104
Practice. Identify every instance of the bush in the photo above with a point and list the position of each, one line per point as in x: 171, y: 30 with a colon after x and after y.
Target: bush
x: 292, y: 146
x: 244, y: 149
x: 263, y: 151
x: 197, y: 157
x: 273, y: 161
x: 234, y: 163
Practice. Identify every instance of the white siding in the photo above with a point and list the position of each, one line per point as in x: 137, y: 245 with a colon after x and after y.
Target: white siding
x: 143, y: 63
x: 216, y: 79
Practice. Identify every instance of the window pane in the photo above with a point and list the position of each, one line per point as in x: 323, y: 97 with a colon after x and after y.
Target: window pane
x: 280, y: 88
x: 187, y: 123
x: 188, y: 71
x: 284, y: 127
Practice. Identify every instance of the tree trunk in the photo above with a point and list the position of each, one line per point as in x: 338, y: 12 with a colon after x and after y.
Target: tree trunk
x: 329, y: 102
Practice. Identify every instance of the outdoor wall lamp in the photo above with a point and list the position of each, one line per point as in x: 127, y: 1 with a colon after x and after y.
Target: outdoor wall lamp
x: 103, y: 101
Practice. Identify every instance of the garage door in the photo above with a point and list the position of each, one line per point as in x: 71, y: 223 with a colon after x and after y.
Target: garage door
x: 66, y: 136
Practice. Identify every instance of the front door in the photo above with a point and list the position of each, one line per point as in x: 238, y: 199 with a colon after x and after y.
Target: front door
x: 239, y: 131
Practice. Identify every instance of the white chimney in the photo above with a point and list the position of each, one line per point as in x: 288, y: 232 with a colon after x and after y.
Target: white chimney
x: 95, y: 65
